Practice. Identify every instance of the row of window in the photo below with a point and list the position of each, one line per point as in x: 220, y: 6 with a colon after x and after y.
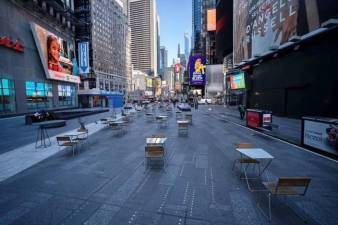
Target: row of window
x: 113, y: 86
x: 39, y: 95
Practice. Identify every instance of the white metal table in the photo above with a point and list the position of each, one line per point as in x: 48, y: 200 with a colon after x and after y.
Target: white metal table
x: 258, y: 154
x: 156, y: 141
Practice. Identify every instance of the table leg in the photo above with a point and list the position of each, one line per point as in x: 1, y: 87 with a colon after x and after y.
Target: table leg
x: 265, y: 167
x: 38, y: 138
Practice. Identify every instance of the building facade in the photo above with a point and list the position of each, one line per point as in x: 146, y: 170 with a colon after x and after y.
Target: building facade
x: 288, y: 71
x: 163, y: 59
x: 144, y: 36
x: 208, y: 35
x: 186, y: 45
x: 169, y: 77
x: 105, y: 27
x: 196, y: 25
x: 38, y: 66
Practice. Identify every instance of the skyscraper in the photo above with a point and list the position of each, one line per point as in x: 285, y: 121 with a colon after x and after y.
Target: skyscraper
x: 158, y: 44
x: 108, y: 41
x: 178, y: 51
x: 186, y: 45
x: 163, y: 59
x: 144, y: 35
x: 196, y: 24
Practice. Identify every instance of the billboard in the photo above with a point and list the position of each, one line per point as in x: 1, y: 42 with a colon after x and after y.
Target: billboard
x: 261, y: 24
x: 57, y: 55
x: 197, y: 70
x: 237, y: 81
x: 323, y: 136
x: 211, y: 19
x: 177, y: 67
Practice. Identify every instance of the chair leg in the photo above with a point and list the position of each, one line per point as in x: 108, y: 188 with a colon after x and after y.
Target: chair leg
x: 269, y: 206
x: 233, y: 165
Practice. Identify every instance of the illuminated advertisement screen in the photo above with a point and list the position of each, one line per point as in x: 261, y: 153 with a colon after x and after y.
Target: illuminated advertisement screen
x: 237, y: 81
x: 211, y: 19
x: 197, y: 70
x: 57, y: 55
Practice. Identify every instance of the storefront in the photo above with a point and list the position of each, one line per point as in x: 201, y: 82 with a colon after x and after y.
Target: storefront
x: 37, y: 65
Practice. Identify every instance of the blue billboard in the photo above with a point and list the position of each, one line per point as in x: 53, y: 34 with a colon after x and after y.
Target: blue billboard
x: 197, y: 70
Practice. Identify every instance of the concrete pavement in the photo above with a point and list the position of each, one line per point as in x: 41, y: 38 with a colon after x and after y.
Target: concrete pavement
x: 287, y: 129
x: 107, y: 184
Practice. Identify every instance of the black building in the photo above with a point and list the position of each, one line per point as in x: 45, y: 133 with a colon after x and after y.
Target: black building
x: 224, y: 29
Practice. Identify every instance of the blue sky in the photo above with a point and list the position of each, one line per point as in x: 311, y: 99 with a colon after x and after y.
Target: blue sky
x: 175, y: 19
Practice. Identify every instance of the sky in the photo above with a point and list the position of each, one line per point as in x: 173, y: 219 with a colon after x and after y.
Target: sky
x: 175, y: 19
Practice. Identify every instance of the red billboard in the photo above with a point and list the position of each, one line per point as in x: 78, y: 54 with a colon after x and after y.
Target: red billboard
x: 177, y: 68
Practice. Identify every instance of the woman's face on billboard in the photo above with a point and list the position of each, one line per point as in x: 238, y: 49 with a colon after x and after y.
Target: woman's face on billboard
x: 54, y: 51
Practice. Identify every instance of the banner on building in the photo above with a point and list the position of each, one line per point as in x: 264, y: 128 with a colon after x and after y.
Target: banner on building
x: 83, y: 50
x: 211, y: 20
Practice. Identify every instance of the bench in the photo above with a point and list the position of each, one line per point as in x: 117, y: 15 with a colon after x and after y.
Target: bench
x: 286, y: 186
x: 154, y: 152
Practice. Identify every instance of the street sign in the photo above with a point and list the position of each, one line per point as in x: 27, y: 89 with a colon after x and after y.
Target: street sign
x: 83, y: 49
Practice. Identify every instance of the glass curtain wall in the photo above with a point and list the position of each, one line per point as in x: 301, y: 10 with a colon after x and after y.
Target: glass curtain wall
x: 66, y: 95
x: 39, y: 95
x: 7, y: 96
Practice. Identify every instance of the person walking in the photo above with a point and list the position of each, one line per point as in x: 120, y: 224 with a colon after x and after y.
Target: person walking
x: 195, y: 100
x: 241, y: 110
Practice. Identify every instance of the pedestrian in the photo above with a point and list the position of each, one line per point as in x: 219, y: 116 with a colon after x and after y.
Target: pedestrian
x: 241, y: 111
x: 195, y: 100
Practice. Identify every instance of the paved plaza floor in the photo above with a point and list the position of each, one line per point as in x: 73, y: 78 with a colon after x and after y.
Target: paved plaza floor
x: 106, y: 183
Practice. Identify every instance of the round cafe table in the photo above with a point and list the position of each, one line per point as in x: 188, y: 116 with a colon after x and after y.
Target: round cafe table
x: 42, y: 137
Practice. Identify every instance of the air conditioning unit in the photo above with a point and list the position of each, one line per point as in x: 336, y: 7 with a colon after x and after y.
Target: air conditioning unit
x: 330, y: 23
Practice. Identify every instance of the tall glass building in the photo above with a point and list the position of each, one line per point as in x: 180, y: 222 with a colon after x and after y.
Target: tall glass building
x: 196, y: 24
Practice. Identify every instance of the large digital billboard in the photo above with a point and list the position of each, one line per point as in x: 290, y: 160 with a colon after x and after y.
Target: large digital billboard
x: 237, y: 81
x: 211, y: 19
x: 197, y: 70
x: 57, y: 55
x: 262, y: 24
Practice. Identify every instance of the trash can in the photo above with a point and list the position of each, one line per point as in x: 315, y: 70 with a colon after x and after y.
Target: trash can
x: 256, y: 118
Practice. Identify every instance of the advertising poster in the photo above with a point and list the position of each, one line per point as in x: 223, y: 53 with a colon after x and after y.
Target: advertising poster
x: 260, y: 24
x: 197, y: 70
x: 323, y: 136
x: 237, y: 81
x: 211, y: 19
x: 57, y: 55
